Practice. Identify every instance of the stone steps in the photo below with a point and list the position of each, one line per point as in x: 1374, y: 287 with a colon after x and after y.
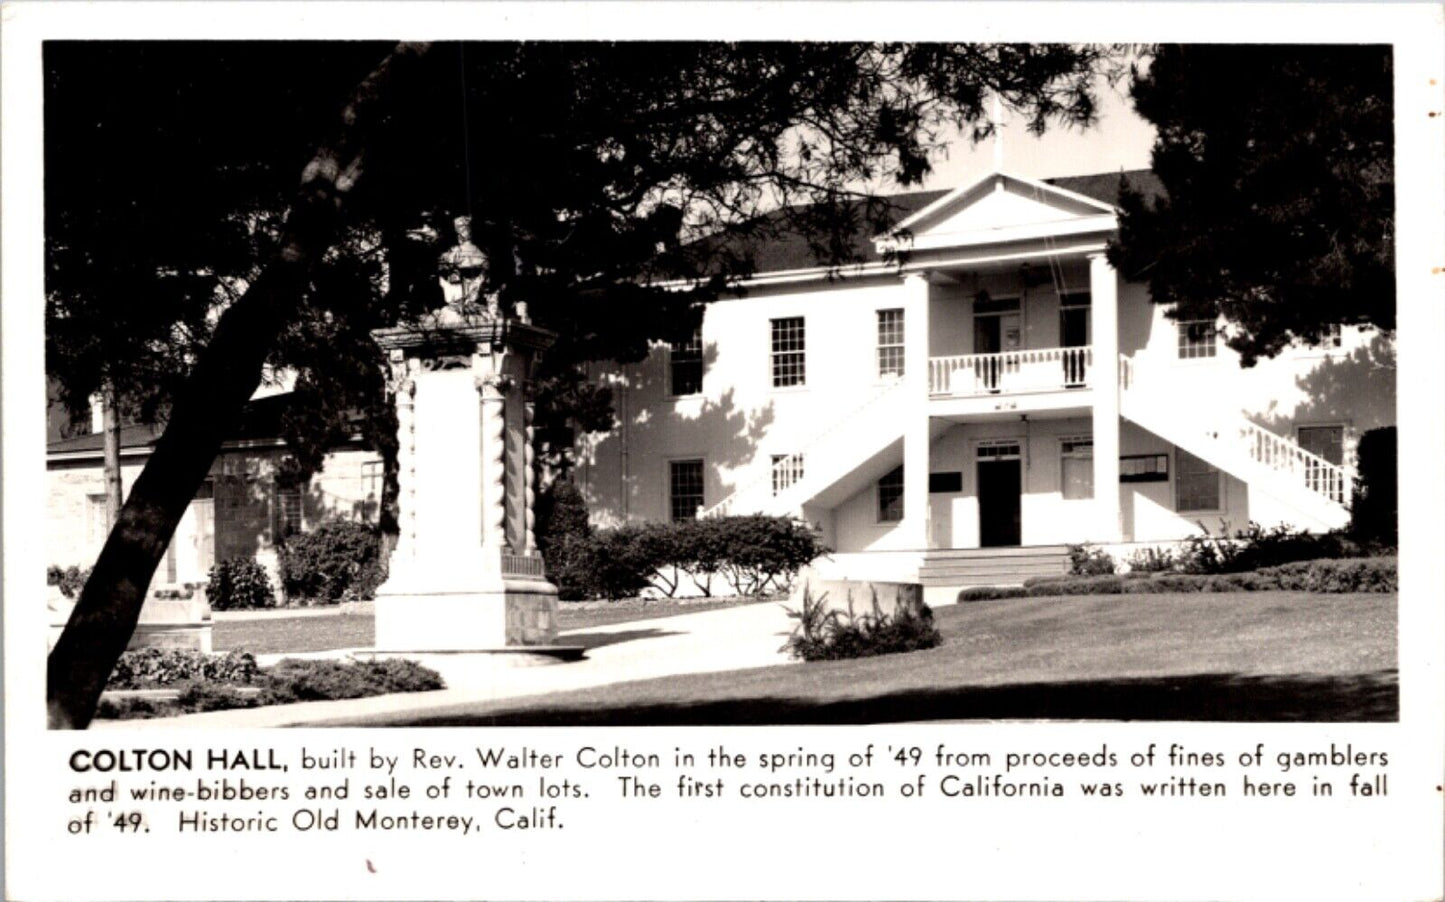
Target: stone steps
x: 961, y: 567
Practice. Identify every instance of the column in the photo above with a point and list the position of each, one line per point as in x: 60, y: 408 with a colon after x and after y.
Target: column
x: 492, y: 387
x: 1104, y: 379
x: 914, y: 408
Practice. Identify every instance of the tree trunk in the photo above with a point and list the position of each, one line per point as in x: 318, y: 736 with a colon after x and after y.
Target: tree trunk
x: 110, y: 461
x: 223, y: 381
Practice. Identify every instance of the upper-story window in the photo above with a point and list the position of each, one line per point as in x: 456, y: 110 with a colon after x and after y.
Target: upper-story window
x: 890, y: 343
x: 789, y: 352
x: 1197, y: 339
x: 684, y: 366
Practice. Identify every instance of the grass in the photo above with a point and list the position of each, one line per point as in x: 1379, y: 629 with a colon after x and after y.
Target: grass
x: 290, y: 635
x: 1268, y: 656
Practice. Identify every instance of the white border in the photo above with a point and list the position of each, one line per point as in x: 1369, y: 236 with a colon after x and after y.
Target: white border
x: 1193, y: 851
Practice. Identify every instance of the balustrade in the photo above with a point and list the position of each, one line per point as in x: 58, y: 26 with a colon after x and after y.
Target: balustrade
x: 1032, y: 370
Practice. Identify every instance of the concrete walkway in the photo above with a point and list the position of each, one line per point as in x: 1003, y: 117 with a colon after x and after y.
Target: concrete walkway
x: 735, y: 638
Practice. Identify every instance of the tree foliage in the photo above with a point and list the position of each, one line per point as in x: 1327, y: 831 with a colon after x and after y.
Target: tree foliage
x: 1278, y: 167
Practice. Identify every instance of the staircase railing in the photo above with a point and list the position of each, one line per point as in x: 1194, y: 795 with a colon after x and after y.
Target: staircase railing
x: 788, y: 471
x: 1329, y: 480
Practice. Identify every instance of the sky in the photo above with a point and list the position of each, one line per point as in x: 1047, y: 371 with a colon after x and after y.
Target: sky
x: 1119, y: 140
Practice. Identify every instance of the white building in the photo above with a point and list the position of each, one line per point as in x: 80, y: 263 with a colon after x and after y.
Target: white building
x: 1002, y: 393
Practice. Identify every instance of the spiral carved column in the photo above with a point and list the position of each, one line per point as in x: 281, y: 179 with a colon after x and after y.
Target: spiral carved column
x: 529, y: 474
x: 402, y: 377
x: 493, y: 387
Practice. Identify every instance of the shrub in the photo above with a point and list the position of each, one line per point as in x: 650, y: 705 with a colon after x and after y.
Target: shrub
x: 1374, y: 512
x: 1152, y: 560
x: 239, y: 583
x: 294, y: 679
x: 563, y: 536
x: 151, y: 668
x: 824, y: 634
x: 336, y: 561
x: 290, y: 680
x: 618, y: 565
x: 70, y: 579
x: 990, y: 593
x: 1086, y: 560
x: 762, y: 554
x: 1377, y: 574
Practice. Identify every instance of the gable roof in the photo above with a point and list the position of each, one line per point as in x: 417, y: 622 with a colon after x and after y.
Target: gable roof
x: 790, y: 251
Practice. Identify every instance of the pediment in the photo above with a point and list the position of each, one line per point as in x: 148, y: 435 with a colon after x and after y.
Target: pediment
x: 1000, y: 207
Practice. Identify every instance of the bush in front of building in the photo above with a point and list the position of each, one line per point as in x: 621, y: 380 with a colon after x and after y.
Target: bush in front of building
x: 70, y: 580
x: 239, y: 583
x: 825, y: 633
x: 564, y: 536
x: 337, y: 561
x: 1086, y: 560
x: 1374, y: 511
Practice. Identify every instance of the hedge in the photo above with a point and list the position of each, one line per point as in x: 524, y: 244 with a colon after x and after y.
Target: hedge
x: 1377, y: 574
x: 239, y: 582
x: 750, y: 555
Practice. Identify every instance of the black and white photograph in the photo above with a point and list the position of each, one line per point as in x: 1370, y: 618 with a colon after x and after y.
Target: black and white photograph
x: 1024, y: 410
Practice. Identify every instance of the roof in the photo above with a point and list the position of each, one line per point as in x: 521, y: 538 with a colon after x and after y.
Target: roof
x: 260, y: 421
x: 790, y: 250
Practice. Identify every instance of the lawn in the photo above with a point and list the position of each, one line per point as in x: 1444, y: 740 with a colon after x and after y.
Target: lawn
x: 279, y: 635
x: 1261, y: 656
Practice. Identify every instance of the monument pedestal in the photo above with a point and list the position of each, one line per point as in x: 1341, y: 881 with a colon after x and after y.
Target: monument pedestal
x: 466, y: 575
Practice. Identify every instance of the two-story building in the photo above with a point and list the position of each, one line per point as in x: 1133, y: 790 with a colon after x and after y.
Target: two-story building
x: 958, y: 418
x: 962, y: 416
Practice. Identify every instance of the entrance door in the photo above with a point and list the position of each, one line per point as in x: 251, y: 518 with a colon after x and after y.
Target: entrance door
x: 1000, y: 485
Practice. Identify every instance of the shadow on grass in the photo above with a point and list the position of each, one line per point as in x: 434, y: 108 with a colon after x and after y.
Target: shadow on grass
x: 597, y: 640
x: 1202, y: 697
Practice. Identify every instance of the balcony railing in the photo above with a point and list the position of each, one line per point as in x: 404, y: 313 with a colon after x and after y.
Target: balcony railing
x: 1009, y: 372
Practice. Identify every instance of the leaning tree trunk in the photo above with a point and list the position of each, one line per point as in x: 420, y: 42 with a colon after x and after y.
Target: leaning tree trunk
x: 223, y: 381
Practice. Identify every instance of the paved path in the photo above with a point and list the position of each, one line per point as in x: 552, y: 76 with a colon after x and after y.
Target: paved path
x: 733, y: 638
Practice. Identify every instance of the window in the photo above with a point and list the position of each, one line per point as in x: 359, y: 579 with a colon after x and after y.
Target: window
x: 371, y: 481
x: 1196, y: 339
x: 685, y: 488
x: 789, y: 352
x: 890, y: 497
x: 1144, y: 468
x: 1196, y: 484
x: 1332, y: 337
x: 999, y: 449
x: 787, y: 469
x: 890, y: 343
x: 1076, y: 467
x: 684, y: 364
x: 285, y: 512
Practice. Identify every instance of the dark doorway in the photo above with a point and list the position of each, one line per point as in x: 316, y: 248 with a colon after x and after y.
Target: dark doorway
x: 999, y: 487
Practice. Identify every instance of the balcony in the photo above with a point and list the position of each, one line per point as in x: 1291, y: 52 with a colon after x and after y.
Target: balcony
x: 1010, y: 372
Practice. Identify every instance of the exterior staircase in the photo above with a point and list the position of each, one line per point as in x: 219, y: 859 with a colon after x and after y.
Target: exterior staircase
x: 1266, y: 462
x: 960, y: 568
x: 844, y: 451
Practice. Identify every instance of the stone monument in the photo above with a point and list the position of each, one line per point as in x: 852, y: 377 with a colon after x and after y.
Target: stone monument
x: 466, y: 575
